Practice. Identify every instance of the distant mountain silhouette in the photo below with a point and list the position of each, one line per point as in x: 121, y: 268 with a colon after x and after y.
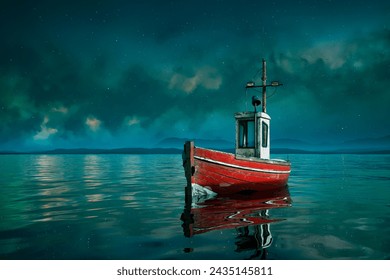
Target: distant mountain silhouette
x: 176, y: 142
x: 174, y: 145
x: 363, y: 144
x: 83, y: 151
x: 286, y: 143
x: 115, y: 151
x: 371, y: 143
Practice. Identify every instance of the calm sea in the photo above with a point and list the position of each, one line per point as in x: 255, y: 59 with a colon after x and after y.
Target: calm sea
x: 133, y: 207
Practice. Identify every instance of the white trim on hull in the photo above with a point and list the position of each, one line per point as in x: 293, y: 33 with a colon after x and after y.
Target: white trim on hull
x: 243, y: 167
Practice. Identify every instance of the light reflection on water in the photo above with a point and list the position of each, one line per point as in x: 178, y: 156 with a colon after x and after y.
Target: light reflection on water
x: 129, y: 207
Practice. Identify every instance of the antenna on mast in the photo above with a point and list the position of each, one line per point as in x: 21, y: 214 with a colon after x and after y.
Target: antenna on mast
x: 264, y: 85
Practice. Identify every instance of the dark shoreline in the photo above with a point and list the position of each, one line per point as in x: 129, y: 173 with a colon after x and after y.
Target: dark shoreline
x: 151, y: 151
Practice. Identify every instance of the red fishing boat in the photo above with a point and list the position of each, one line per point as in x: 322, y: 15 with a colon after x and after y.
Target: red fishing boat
x: 250, y: 167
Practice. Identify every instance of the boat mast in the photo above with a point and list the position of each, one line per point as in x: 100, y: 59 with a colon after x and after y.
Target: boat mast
x: 264, y: 86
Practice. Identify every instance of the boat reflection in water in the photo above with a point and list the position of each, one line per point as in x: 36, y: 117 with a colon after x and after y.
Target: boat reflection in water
x: 247, y: 213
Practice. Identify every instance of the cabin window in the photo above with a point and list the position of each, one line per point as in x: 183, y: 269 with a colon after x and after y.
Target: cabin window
x: 246, y: 134
x: 264, y: 139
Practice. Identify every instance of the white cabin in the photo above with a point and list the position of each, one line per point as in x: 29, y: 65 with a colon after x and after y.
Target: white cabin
x: 253, y: 135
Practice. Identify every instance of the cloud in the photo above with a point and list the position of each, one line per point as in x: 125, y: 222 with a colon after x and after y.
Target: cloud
x: 45, y: 131
x: 335, y: 89
x: 331, y: 53
x: 134, y: 120
x: 60, y: 109
x: 206, y: 77
x: 93, y: 123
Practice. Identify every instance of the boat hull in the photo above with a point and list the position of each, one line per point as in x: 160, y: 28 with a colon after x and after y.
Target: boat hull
x: 224, y: 173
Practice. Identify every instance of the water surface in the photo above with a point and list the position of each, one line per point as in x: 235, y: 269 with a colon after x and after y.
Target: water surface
x: 133, y: 207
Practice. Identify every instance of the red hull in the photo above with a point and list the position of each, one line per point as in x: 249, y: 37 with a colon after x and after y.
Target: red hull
x: 223, y: 173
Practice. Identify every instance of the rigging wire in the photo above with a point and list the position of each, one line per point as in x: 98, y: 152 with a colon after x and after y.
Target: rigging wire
x: 255, y: 75
x: 272, y: 94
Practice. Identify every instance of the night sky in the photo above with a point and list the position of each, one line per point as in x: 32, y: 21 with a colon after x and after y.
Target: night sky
x: 110, y: 74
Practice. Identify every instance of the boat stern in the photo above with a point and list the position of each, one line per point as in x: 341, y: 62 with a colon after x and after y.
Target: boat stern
x: 188, y: 162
